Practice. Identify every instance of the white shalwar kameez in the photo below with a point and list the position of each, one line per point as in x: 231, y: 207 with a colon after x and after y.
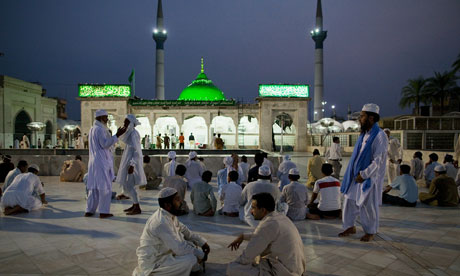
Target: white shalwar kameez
x: 283, y: 172
x: 366, y: 204
x: 10, y: 177
x: 394, y: 153
x: 194, y: 172
x: 21, y: 192
x: 100, y: 169
x: 169, y: 169
x: 167, y: 247
x: 132, y: 156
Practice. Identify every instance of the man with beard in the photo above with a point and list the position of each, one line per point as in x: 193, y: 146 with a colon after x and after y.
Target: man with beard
x: 363, y: 180
x: 168, y: 247
x: 100, y: 166
x: 131, y: 170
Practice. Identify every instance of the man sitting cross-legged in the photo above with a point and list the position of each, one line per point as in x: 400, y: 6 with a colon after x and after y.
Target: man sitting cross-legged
x: 168, y: 247
x: 19, y: 196
x: 408, y: 190
x: 328, y: 188
x: 276, y: 243
x: 178, y: 182
x: 296, y: 196
x: 202, y: 196
x: 230, y: 196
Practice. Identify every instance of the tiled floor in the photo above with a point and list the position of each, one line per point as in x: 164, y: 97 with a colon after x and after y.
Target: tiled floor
x: 59, y: 240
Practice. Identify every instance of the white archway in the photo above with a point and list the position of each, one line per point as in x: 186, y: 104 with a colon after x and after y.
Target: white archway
x: 226, y: 128
x: 144, y: 128
x: 289, y: 137
x: 165, y: 125
x: 248, y: 132
x: 197, y: 126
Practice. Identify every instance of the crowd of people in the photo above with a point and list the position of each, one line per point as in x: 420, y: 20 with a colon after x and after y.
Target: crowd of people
x: 251, y: 193
x: 173, y: 141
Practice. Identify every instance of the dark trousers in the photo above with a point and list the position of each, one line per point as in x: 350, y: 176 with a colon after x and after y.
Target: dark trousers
x: 181, y: 145
x: 333, y: 213
x: 396, y: 200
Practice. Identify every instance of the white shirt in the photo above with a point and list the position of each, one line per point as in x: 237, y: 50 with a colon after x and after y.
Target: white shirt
x: 334, y: 152
x: 167, y: 167
x: 451, y: 170
x: 132, y: 156
x: 22, y: 192
x: 10, y: 177
x: 245, y: 169
x: 269, y: 164
x: 394, y: 149
x: 194, y: 172
x: 296, y: 196
x: 164, y: 235
x: 231, y: 195
x: 416, y: 168
x: 328, y: 189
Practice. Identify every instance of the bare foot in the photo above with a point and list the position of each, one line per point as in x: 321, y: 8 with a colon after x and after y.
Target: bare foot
x: 312, y: 216
x: 367, y: 237
x: 348, y: 232
x: 14, y: 210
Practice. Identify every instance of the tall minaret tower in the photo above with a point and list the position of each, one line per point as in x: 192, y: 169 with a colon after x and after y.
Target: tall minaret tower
x: 159, y: 35
x: 318, y: 35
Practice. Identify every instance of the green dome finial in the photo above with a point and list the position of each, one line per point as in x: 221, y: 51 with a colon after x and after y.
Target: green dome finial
x: 202, y: 65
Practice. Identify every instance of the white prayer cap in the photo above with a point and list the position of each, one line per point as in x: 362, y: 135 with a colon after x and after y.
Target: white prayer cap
x: 228, y: 161
x: 287, y: 157
x: 264, y: 171
x: 386, y: 130
x: 294, y: 171
x: 133, y: 119
x: 440, y: 168
x: 370, y: 107
x: 34, y: 166
x: 101, y: 112
x: 166, y: 192
x: 171, y: 154
x: 192, y: 154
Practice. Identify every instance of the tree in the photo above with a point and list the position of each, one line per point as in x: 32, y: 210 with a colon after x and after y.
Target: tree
x: 456, y: 65
x: 413, y: 93
x: 442, y: 86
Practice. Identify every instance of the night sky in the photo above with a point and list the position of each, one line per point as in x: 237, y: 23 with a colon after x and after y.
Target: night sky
x: 372, y: 47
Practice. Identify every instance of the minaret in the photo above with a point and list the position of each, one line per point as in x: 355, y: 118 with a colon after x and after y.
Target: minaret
x: 159, y: 35
x: 318, y: 35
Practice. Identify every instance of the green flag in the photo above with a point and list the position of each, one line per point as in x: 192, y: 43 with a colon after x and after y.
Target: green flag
x: 131, y: 77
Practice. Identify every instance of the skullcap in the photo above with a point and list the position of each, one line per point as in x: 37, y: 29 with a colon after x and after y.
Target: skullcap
x: 440, y: 168
x: 171, y: 154
x: 370, y: 107
x: 166, y: 192
x: 294, y: 171
x: 192, y: 154
x: 228, y: 161
x: 264, y: 170
x: 35, y: 166
x: 133, y: 119
x: 101, y: 112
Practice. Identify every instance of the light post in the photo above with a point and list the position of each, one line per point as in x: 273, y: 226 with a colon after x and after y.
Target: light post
x: 36, y: 126
x: 70, y: 129
x: 333, y: 111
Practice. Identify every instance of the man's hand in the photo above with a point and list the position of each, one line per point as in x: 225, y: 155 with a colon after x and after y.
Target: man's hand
x: 236, y: 243
x: 387, y: 189
x: 120, y: 131
x: 392, y: 161
x: 359, y: 179
x: 206, y: 249
x: 399, y: 161
x: 130, y: 170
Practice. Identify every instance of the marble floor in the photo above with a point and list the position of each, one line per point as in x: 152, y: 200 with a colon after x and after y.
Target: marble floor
x: 58, y: 240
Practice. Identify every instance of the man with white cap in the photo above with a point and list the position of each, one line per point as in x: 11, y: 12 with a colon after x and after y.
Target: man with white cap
x: 19, y: 196
x: 168, y: 247
x: 283, y: 171
x: 169, y: 169
x: 295, y: 195
x: 180, y: 185
x: 131, y: 170
x: 194, y: 169
x: 100, y: 166
x: 222, y: 174
x: 443, y: 190
x: 363, y: 180
x: 333, y: 156
x: 262, y: 185
x: 394, y: 156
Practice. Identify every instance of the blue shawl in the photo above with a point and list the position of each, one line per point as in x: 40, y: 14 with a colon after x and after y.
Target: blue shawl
x: 358, y: 164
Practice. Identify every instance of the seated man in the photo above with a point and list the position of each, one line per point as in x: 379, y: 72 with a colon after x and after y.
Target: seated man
x: 296, y: 196
x: 177, y: 182
x: 328, y: 189
x: 408, y: 190
x: 168, y: 247
x: 314, y: 168
x: 231, y: 195
x: 202, y: 196
x: 443, y: 190
x: 429, y: 168
x: 19, y: 198
x: 5, y: 167
x: 262, y: 185
x: 21, y: 168
x: 153, y: 181
x: 276, y: 242
x: 73, y: 170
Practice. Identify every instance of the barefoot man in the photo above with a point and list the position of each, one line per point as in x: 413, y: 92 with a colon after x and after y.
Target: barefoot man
x: 363, y: 180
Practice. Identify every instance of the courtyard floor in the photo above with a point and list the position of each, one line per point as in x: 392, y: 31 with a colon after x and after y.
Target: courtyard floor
x: 58, y: 240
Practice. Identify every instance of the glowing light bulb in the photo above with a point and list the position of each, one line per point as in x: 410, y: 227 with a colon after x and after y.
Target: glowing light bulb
x: 164, y: 31
x: 155, y: 31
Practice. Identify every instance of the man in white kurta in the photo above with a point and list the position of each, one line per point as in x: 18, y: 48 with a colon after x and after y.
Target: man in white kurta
x: 296, y: 196
x: 262, y: 185
x: 21, y: 168
x: 20, y: 196
x: 100, y: 166
x: 131, y: 169
x: 276, y: 242
x: 363, y: 192
x: 394, y: 156
x: 169, y: 169
x: 333, y: 156
x: 168, y: 247
x: 194, y: 169
x: 283, y: 171
x: 180, y: 185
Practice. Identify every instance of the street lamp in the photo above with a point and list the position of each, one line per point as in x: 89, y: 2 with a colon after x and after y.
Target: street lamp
x: 333, y: 111
x: 36, y: 126
x: 70, y: 129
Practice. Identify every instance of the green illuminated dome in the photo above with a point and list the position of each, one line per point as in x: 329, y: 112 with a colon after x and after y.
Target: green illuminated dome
x: 201, y: 89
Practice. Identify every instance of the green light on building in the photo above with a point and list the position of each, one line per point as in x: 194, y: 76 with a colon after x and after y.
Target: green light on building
x: 284, y: 90
x: 109, y: 90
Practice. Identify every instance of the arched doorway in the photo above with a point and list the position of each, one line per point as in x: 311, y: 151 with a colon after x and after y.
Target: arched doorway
x: 197, y: 126
x: 20, y: 126
x: 226, y: 128
x: 248, y: 132
x: 144, y: 129
x: 47, y: 143
x: 284, y: 123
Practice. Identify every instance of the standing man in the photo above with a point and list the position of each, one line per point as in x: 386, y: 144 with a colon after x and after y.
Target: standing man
x: 100, y: 166
x: 85, y: 141
x: 219, y: 143
x: 173, y: 141
x: 194, y: 169
x: 334, y: 156
x: 191, y: 140
x: 181, y: 141
x: 213, y: 141
x: 131, y: 170
x: 394, y: 156
x: 159, y: 141
x: 166, y: 141
x: 363, y: 180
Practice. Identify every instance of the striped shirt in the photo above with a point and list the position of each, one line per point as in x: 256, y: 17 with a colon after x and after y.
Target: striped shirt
x: 328, y: 189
